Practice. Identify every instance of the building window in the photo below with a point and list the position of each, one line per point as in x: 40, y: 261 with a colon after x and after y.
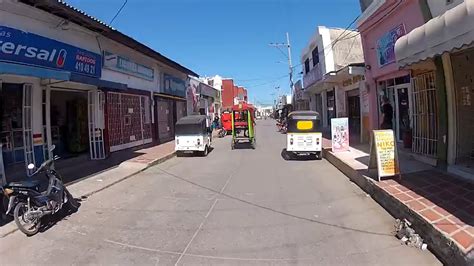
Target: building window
x: 306, y: 66
x: 315, y: 54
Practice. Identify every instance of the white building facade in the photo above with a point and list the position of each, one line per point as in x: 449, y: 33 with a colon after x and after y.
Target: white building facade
x: 328, y: 51
x: 86, y: 91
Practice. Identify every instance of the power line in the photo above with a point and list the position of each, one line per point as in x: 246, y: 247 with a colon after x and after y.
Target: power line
x: 341, y: 37
x: 118, y: 12
x: 256, y: 79
x: 266, y: 83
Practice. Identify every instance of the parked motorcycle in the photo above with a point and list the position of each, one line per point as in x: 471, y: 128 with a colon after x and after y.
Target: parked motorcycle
x: 30, y: 205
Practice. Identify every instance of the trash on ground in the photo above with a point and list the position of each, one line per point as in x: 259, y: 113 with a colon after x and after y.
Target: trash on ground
x: 407, y: 235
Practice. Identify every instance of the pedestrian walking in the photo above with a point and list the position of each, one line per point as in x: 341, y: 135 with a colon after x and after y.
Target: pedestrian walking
x: 215, y: 123
x: 387, y: 113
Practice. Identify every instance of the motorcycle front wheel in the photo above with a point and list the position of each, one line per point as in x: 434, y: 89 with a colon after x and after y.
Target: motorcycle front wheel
x: 26, y: 225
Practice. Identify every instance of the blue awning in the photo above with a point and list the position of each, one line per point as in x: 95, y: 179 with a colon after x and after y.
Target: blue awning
x: 45, y: 73
x: 97, y: 82
x: 25, y: 70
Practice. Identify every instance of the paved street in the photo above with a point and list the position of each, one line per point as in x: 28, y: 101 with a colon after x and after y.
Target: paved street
x: 247, y: 207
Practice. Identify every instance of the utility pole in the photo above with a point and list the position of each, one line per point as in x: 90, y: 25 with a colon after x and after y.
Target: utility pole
x: 290, y: 65
x: 288, y: 56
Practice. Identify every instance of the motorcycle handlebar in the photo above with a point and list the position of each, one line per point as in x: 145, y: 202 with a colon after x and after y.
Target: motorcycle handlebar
x: 46, y: 164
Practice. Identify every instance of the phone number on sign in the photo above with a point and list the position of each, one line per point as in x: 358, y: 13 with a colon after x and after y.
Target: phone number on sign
x: 85, y: 68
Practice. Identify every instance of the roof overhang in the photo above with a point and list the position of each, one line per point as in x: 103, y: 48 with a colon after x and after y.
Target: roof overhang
x: 69, y: 13
x: 345, y: 73
x: 446, y: 33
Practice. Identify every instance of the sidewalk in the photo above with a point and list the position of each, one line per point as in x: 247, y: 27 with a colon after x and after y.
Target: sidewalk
x: 440, y: 206
x: 142, y: 160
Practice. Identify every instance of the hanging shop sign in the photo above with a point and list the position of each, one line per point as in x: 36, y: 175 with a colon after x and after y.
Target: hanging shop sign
x: 384, y: 154
x: 386, y: 45
x: 206, y: 90
x: 27, y: 48
x: 174, y: 86
x: 340, y: 134
x: 121, y: 64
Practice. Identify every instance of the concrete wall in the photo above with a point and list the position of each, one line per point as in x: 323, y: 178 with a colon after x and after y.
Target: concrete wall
x: 346, y: 51
x: 227, y: 93
x: 321, y: 39
x: 438, y: 7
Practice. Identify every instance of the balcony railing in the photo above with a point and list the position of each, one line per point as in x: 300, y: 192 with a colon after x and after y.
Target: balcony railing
x: 313, y: 76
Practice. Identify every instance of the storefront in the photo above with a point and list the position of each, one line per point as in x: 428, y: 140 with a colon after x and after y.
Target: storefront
x: 350, y: 99
x: 463, y: 74
x: 398, y: 91
x: 207, y: 98
x: 129, y: 119
x: 380, y: 28
x: 442, y: 48
x: 128, y: 110
x: 170, y: 106
x: 47, y: 97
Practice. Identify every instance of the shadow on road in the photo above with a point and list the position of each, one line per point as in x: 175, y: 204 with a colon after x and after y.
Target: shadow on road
x: 243, y: 146
x: 51, y: 220
x: 289, y: 156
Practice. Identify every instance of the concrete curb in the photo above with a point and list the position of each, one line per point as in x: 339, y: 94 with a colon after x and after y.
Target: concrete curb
x: 11, y: 228
x: 445, y: 249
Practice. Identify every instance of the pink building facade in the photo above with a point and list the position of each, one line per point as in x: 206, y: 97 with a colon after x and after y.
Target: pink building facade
x: 380, y: 27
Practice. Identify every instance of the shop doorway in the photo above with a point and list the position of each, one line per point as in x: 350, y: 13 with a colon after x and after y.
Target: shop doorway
x: 11, y: 127
x: 69, y: 123
x: 463, y: 64
x: 353, y: 104
x: 76, y: 123
x: 165, y: 118
x: 180, y: 109
x: 398, y: 92
x: 402, y: 110
x: 16, y: 130
x: 331, y: 104
x: 318, y: 104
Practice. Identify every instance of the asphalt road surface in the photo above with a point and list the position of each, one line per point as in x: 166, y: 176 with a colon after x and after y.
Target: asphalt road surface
x: 247, y: 207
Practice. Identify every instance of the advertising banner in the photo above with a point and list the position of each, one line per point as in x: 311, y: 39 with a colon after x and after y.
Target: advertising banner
x: 383, y: 153
x: 192, y: 96
x: 386, y: 45
x: 340, y: 134
x: 174, y: 86
x: 26, y: 48
x: 122, y: 64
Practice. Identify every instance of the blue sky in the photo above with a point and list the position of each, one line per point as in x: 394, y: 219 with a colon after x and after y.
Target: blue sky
x: 227, y: 37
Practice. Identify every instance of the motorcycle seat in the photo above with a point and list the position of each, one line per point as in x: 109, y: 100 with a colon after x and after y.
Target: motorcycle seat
x: 25, y: 183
